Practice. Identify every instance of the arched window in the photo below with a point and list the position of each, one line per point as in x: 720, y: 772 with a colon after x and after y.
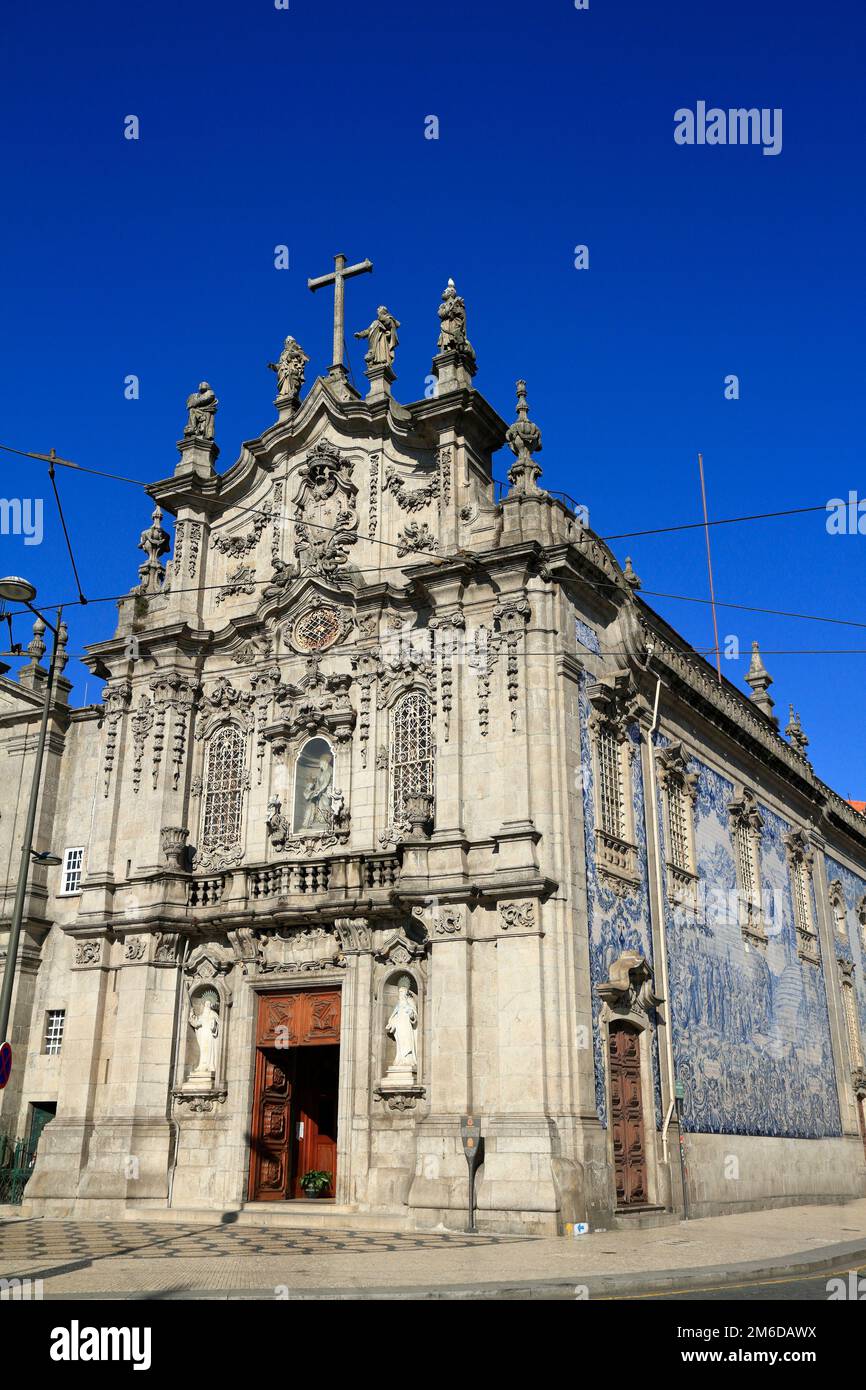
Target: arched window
x: 223, y: 790
x: 411, y: 751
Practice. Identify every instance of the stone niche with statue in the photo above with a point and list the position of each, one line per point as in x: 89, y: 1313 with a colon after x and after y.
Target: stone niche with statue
x: 203, y: 1042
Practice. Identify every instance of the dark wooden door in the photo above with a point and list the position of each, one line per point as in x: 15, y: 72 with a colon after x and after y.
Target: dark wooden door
x: 626, y: 1117
x: 294, y: 1119
x: 272, y: 1128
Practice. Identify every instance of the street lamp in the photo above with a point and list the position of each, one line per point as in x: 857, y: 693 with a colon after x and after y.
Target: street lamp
x: 14, y: 589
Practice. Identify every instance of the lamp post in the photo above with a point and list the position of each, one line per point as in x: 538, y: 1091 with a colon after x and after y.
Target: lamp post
x: 17, y: 590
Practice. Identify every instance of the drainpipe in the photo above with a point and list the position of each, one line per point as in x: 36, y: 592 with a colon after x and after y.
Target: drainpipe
x: 177, y: 1037
x: 660, y: 908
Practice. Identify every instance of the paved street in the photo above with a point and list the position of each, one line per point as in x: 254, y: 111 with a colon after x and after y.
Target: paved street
x: 786, y: 1253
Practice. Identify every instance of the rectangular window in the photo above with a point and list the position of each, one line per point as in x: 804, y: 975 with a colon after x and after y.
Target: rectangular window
x: 610, y: 790
x: 54, y: 1021
x: 73, y: 862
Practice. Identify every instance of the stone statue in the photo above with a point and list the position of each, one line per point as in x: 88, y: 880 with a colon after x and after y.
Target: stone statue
x: 401, y: 1027
x: 382, y: 338
x: 207, y: 1030
x: 290, y: 369
x: 317, y: 794
x: 452, y: 320
x: 202, y: 407
x: 154, y: 542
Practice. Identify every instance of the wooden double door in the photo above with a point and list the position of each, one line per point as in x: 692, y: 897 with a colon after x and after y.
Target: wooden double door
x: 626, y: 1116
x: 294, y: 1119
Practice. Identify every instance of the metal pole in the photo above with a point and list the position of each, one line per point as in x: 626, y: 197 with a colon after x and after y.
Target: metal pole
x: 27, y: 845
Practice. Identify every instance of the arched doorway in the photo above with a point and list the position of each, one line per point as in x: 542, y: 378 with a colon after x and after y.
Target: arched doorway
x: 626, y: 1115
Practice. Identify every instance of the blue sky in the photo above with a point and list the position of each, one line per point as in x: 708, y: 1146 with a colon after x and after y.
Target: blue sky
x: 261, y: 126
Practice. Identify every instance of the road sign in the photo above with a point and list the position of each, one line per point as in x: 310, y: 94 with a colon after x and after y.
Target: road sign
x: 5, y: 1063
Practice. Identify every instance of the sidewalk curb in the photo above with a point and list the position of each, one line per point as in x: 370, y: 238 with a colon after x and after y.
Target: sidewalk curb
x: 846, y: 1254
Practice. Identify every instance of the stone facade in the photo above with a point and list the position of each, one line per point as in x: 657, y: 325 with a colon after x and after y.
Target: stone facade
x: 373, y: 728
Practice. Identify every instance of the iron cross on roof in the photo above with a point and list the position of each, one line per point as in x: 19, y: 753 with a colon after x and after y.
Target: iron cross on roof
x: 340, y: 273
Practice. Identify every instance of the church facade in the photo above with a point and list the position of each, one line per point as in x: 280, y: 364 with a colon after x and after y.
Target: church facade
x: 402, y: 806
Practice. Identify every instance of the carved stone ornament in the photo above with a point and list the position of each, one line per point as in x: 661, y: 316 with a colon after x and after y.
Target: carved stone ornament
x: 524, y: 440
x: 173, y: 843
x: 517, y: 915
x: 416, y: 537
x: 399, y: 1098
x: 318, y: 704
x: 318, y: 628
x: 155, y: 543
x: 88, y: 952
x: 630, y: 986
x: 297, y: 950
x: 326, y: 519
x: 354, y: 935
x: 134, y: 948
x: 410, y: 499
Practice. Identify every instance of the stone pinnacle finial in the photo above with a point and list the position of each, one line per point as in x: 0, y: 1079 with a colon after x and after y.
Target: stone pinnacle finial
x: 36, y: 645
x: 759, y: 678
x: 62, y: 654
x: 629, y: 575
x: 524, y: 440
x: 794, y: 730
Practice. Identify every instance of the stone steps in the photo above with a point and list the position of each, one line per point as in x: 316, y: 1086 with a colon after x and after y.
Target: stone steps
x: 295, y: 1215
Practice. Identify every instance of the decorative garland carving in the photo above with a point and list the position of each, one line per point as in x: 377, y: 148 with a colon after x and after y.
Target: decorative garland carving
x: 410, y: 499
x: 445, y: 475
x: 482, y: 659
x: 277, y: 520
x: 195, y: 530
x: 236, y: 546
x: 446, y: 649
x: 263, y: 685
x: 365, y: 669
x: 142, y: 723
x: 116, y: 699
x: 511, y: 616
x: 374, y: 494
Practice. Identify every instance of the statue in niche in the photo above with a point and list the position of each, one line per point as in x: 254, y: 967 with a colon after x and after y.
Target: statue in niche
x: 401, y: 1027
x: 314, y: 788
x: 206, y: 1024
x: 201, y: 405
x: 290, y: 369
x: 382, y: 339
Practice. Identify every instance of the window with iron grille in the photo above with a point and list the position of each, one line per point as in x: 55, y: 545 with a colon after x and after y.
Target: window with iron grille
x: 54, y: 1021
x: 679, y: 850
x: 802, y: 899
x: 852, y: 1023
x: 224, y: 789
x: 610, y: 789
x: 411, y: 751
x: 73, y: 863
x: 746, y: 861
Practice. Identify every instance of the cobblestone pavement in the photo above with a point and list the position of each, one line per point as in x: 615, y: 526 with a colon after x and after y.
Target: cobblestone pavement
x: 116, y: 1259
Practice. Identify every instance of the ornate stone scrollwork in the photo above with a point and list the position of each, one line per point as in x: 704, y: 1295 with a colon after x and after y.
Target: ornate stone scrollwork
x: 629, y: 988
x: 519, y: 916
x: 414, y: 537
x: 319, y: 704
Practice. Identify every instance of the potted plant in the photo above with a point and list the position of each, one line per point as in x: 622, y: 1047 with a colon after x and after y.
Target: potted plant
x: 316, y: 1182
